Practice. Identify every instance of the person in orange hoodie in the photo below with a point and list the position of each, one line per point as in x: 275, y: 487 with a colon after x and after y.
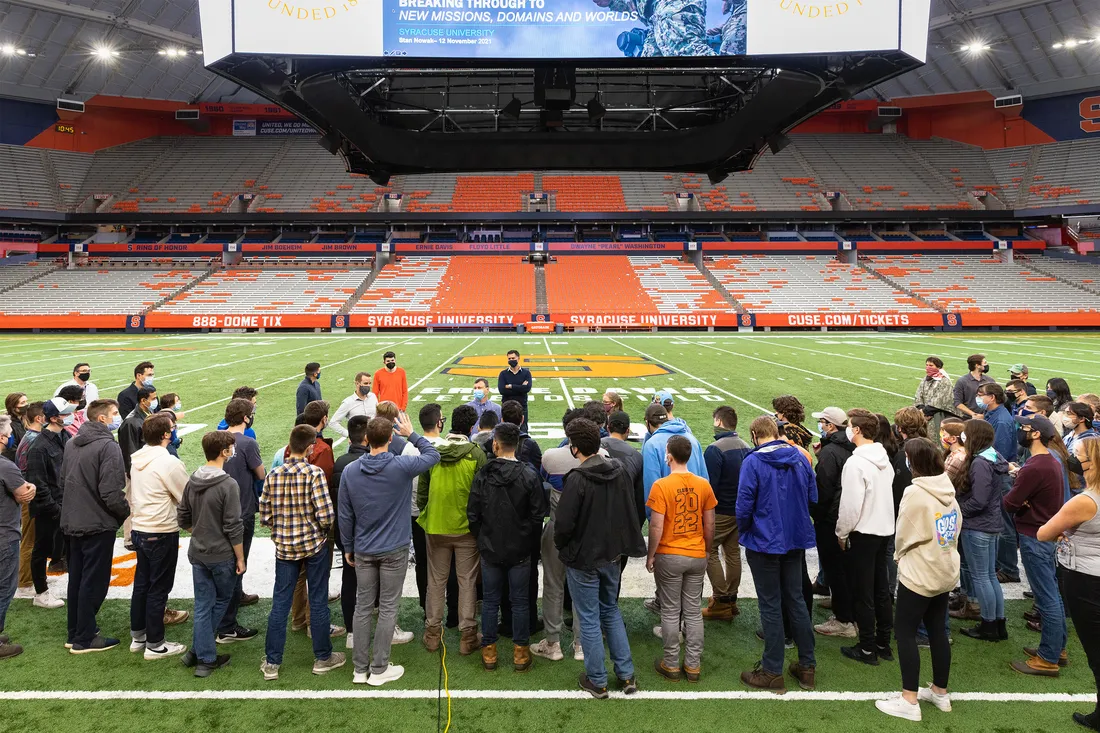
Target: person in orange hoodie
x: 390, y: 383
x: 316, y: 416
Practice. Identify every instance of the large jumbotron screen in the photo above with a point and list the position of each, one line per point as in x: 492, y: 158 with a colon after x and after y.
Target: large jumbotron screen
x: 561, y: 29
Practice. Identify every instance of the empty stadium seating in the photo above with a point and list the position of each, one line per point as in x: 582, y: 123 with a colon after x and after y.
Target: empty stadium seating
x: 980, y: 284
x: 676, y: 286
x: 807, y: 284
x: 596, y: 284
x: 408, y: 285
x: 1076, y: 271
x: 272, y: 289
x: 585, y: 192
x: 487, y: 285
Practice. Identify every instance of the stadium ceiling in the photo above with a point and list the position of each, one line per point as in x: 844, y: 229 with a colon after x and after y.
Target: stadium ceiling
x: 146, y: 48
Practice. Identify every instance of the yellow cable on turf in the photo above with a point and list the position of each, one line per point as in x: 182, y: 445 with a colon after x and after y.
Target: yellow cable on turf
x: 446, y: 685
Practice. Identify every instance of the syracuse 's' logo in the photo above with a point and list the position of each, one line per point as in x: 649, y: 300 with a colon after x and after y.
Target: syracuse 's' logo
x: 562, y: 365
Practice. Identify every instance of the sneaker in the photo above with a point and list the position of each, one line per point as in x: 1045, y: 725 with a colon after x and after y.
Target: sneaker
x: 392, y: 673
x: 360, y: 678
x: 927, y: 694
x: 135, y: 646
x: 834, y: 627
x: 548, y: 650
x: 826, y: 603
x: 578, y: 651
x: 167, y: 649
x: 600, y: 693
x: 172, y: 617
x: 271, y: 671
x: 629, y: 687
x: 923, y: 642
x: 334, y: 631
x: 349, y: 642
x: 324, y: 666
x: 189, y: 659
x: 202, y: 669
x: 98, y: 644
x: 860, y: 655
x: 399, y: 636
x: 47, y: 600
x: 884, y: 653
x: 899, y: 707
x: 652, y: 605
x: 333, y: 597
x: 660, y: 634
x: 25, y: 593
x: 240, y: 633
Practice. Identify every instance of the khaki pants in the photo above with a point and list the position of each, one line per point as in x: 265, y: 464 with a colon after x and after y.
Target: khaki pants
x: 725, y: 578
x: 26, y: 546
x: 679, y: 590
x: 467, y: 564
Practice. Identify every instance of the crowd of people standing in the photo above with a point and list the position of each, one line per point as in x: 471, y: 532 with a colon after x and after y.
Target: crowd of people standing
x: 915, y: 519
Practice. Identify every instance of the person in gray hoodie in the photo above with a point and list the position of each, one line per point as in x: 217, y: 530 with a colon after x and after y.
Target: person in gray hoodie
x: 93, y: 507
x: 374, y: 498
x: 211, y: 511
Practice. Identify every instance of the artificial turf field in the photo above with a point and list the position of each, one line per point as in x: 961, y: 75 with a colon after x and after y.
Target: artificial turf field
x: 876, y: 371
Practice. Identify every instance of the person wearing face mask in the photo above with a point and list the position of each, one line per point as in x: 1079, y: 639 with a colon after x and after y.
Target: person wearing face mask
x: 390, y: 382
x: 171, y: 406
x: 297, y: 506
x: 309, y: 389
x: 775, y: 491
x: 515, y: 382
x: 14, y: 492
x: 612, y: 402
x: 1007, y: 446
x: 74, y: 396
x: 129, y: 433
x: 482, y: 402
x: 1037, y: 495
x: 935, y: 395
x: 15, y: 404
x: 660, y: 428
x: 966, y: 387
x: 865, y: 524
x: 833, y: 452
x: 964, y: 602
x: 1015, y: 396
x: 362, y: 402
x: 1018, y: 372
x: 93, y: 508
x: 128, y: 398
x: 1079, y: 415
x: 34, y: 424
x: 157, y: 482
x: 82, y: 377
x: 44, y: 459
x: 244, y: 393
x: 1059, y: 393
x: 790, y: 413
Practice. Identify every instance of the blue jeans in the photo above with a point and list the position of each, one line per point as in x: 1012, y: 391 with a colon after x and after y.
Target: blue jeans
x: 153, y: 580
x: 595, y: 602
x: 229, y: 621
x: 214, y: 584
x: 286, y: 576
x: 492, y: 582
x: 9, y: 576
x: 981, y: 557
x: 1039, y: 562
x: 1007, y: 555
x: 778, y: 581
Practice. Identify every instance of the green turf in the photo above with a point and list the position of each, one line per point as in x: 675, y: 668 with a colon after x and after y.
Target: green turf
x: 876, y: 371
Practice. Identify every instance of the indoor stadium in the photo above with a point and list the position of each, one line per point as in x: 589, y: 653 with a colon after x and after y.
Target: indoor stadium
x: 530, y: 365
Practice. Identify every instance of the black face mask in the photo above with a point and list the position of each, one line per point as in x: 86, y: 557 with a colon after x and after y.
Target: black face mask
x: 1074, y: 465
x: 513, y: 363
x: 1023, y: 438
x: 573, y: 452
x: 249, y: 420
x: 84, y: 376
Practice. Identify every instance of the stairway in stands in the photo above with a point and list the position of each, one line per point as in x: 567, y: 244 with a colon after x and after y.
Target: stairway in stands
x: 541, y: 303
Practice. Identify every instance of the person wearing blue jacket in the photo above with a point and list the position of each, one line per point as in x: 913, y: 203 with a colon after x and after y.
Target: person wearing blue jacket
x: 992, y: 397
x: 375, y: 496
x: 774, y: 493
x: 653, y: 452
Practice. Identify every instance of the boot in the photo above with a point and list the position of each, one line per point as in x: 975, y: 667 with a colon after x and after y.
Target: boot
x: 985, y: 631
x: 1002, y: 629
x: 489, y: 657
x: 521, y: 658
x: 718, y: 609
x: 432, y: 636
x: 469, y: 643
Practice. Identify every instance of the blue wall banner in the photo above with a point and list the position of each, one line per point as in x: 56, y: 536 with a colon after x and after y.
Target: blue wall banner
x: 284, y: 127
x: 1071, y: 117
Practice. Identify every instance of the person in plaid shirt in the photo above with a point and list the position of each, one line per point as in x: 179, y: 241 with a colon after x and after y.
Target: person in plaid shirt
x: 296, y: 506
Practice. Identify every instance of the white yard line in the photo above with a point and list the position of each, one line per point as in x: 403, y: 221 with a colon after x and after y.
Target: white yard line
x: 564, y: 389
x: 700, y: 380
x: 447, y: 361
x: 392, y: 694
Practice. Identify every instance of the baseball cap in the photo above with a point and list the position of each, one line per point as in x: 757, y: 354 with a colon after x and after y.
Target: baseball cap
x: 1039, y: 424
x: 618, y: 422
x: 1017, y: 369
x: 56, y: 407
x: 655, y: 414
x: 662, y: 397
x: 835, y: 415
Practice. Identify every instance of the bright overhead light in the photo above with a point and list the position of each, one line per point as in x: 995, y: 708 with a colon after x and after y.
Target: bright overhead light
x: 976, y: 47
x: 1057, y: 45
x: 7, y: 50
x: 105, y: 53
x: 1070, y: 43
x: 20, y: 52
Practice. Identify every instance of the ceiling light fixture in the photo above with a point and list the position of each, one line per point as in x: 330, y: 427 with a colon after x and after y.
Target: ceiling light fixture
x: 1070, y: 43
x: 105, y: 53
x: 7, y: 50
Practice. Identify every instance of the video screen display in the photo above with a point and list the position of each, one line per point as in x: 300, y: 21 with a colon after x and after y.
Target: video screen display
x: 562, y: 29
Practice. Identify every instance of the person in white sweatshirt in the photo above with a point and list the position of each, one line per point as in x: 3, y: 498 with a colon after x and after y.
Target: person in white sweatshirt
x: 926, y: 549
x: 864, y: 526
x: 157, y: 481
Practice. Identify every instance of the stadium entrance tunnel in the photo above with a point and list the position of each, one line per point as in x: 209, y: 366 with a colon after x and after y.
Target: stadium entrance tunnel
x: 714, y: 119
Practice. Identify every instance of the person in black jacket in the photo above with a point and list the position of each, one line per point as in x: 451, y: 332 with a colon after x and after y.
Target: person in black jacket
x: 44, y: 471
x: 514, y: 383
x: 506, y: 507
x: 832, y: 453
x: 723, y: 458
x: 129, y: 433
x: 594, y: 526
x: 616, y: 445
x: 93, y: 507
